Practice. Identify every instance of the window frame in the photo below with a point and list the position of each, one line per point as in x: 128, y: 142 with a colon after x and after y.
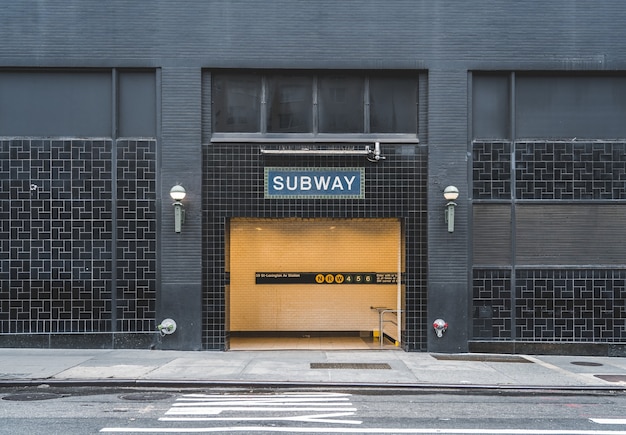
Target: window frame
x: 316, y: 135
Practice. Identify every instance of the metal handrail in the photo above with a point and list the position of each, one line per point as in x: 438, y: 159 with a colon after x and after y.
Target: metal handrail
x: 381, y: 321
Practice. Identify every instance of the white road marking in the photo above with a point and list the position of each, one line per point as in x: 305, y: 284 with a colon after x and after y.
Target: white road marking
x: 193, y: 407
x: 321, y: 396
x: 217, y: 410
x: 316, y: 418
x: 325, y: 396
x: 197, y: 407
x: 609, y: 420
x: 258, y: 402
x: 363, y: 430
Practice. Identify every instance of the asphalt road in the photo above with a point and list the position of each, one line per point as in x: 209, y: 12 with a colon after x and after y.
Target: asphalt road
x: 96, y: 410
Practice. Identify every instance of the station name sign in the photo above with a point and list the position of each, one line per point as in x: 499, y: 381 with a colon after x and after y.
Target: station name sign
x: 314, y: 183
x: 326, y: 278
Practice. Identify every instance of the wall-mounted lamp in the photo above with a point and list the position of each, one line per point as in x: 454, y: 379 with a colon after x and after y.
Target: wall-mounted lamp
x: 178, y: 193
x: 450, y: 193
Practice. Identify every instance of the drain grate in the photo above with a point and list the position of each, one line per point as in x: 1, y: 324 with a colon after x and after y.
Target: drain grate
x: 352, y: 366
x: 145, y: 396
x: 483, y: 358
x: 612, y: 378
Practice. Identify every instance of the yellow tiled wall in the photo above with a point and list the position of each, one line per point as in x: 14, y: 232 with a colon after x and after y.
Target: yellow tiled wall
x: 310, y: 245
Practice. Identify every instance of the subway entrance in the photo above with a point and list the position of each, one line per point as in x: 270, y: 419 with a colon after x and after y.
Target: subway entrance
x: 314, y: 283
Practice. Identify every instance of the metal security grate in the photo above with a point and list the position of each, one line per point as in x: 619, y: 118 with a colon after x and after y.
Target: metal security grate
x: 145, y: 396
x: 612, y: 378
x: 352, y: 366
x: 484, y: 358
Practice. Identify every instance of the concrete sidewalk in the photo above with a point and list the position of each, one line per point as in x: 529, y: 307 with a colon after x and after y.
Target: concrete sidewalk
x: 293, y: 368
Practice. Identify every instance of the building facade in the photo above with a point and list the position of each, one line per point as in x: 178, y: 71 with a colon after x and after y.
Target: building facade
x: 314, y: 141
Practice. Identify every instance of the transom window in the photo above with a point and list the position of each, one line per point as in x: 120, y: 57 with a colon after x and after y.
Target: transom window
x: 335, y: 103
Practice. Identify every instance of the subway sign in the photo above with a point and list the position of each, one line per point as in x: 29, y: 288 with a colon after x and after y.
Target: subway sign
x: 326, y: 278
x: 314, y: 183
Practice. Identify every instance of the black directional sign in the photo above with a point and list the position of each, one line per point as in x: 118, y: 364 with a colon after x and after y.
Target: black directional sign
x: 326, y: 277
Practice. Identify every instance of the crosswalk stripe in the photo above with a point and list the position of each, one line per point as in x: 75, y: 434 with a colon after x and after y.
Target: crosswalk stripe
x: 321, y: 396
x: 259, y: 403
x: 203, y: 410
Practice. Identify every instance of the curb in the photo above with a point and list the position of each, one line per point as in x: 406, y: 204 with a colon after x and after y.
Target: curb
x: 200, y: 384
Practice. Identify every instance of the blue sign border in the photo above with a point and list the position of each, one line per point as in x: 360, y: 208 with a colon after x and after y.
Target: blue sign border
x: 356, y: 191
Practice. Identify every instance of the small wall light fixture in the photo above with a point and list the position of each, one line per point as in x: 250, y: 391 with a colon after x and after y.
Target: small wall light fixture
x: 167, y: 327
x: 178, y: 193
x: 450, y: 193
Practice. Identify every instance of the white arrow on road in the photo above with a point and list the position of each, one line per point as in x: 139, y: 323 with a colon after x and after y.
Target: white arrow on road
x: 315, y: 418
x: 197, y: 407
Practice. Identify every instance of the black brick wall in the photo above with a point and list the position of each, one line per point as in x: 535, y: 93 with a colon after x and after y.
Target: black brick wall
x: 576, y: 290
x: 575, y: 305
x: 570, y: 170
x: 57, y: 236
